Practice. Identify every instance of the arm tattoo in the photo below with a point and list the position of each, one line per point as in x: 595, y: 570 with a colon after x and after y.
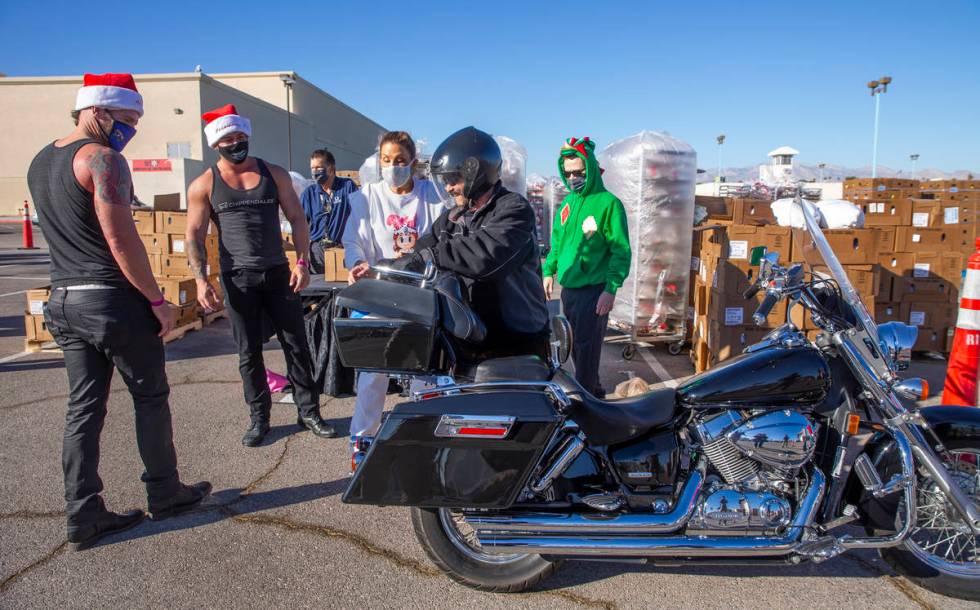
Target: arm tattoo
x: 197, y: 256
x: 110, y: 175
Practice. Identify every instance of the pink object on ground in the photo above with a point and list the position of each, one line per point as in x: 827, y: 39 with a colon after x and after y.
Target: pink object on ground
x: 277, y: 383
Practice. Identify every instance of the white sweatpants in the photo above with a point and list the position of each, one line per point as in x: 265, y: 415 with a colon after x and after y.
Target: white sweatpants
x: 370, y: 403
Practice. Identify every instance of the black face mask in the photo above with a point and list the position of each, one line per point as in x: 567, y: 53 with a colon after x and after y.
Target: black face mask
x: 236, y: 153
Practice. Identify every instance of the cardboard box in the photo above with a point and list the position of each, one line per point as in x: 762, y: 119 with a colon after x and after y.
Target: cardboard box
x: 735, y: 242
x: 36, y: 298
x: 176, y: 266
x: 939, y: 214
x: 169, y: 202
x: 143, y: 219
x: 887, y: 312
x: 933, y: 315
x: 176, y: 244
x: 851, y: 246
x: 914, y: 290
x: 156, y: 264
x: 916, y: 239
x: 171, y: 223
x: 726, y: 341
x: 35, y: 329
x: 733, y: 277
x: 154, y: 244
x: 736, y: 311
x: 700, y: 356
x: 930, y: 340
x: 952, y: 267
x: 178, y: 291
x: 886, y: 239
x: 950, y: 335
x: 961, y: 239
x: 864, y: 278
x: 186, y: 314
x: 333, y: 265
x: 887, y: 213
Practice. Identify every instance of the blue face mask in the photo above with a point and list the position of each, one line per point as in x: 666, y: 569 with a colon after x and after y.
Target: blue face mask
x: 119, y: 135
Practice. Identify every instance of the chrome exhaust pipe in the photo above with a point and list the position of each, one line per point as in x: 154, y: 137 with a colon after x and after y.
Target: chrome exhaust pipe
x: 607, y: 543
x: 598, y: 524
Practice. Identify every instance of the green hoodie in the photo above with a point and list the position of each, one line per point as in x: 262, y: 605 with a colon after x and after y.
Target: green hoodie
x: 590, y: 242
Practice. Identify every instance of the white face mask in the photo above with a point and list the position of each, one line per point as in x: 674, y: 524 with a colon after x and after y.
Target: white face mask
x: 396, y: 175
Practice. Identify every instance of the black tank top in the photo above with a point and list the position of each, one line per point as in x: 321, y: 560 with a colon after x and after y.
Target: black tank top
x: 249, y: 234
x: 66, y: 212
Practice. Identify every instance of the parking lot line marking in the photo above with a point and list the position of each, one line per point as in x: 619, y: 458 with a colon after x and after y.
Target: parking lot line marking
x: 14, y: 357
x: 10, y: 294
x: 23, y: 277
x: 657, y: 368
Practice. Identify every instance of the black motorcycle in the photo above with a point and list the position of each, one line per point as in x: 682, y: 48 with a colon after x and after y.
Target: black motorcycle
x: 510, y: 466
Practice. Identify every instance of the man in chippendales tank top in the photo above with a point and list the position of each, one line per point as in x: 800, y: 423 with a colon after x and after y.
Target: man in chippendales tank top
x: 242, y: 195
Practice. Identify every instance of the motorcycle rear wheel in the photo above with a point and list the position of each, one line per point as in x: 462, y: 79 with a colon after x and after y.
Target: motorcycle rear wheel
x: 940, y: 555
x: 446, y: 539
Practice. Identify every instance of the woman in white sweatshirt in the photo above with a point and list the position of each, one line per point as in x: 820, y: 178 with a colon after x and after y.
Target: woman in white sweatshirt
x: 386, y: 219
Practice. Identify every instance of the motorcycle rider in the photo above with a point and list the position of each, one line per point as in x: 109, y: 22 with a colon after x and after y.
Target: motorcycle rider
x: 488, y: 240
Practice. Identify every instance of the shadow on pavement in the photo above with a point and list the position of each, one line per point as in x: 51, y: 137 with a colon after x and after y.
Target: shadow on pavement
x: 236, y: 505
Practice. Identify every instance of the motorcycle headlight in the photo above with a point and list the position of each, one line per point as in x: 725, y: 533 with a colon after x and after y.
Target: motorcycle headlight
x: 897, y: 340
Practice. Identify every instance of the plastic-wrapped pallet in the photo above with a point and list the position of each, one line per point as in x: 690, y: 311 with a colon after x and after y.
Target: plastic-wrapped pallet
x: 514, y: 168
x: 369, y: 171
x: 535, y: 196
x: 554, y: 193
x: 653, y: 174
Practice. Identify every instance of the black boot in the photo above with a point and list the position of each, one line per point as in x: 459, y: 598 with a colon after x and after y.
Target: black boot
x: 255, y: 433
x: 186, y: 498
x: 83, y: 537
x: 315, y: 424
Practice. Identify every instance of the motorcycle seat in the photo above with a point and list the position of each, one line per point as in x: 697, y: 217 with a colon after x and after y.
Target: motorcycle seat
x: 512, y: 368
x: 609, y: 422
x: 457, y: 317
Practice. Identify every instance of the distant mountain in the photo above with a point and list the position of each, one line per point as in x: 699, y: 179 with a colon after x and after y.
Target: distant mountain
x: 838, y: 172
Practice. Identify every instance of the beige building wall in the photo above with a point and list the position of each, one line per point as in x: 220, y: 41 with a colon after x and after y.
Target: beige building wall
x: 36, y: 112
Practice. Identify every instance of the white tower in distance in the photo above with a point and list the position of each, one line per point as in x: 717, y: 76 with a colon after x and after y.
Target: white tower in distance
x: 779, y: 170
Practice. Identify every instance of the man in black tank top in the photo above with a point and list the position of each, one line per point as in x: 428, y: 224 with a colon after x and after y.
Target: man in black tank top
x: 242, y: 195
x: 106, y: 310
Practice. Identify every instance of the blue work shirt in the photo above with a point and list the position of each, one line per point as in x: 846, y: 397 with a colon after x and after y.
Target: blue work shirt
x: 328, y: 215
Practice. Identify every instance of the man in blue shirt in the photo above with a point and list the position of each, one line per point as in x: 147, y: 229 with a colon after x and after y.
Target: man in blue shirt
x: 326, y: 206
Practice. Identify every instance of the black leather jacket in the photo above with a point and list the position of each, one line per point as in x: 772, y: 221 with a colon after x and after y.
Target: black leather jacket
x: 495, y: 252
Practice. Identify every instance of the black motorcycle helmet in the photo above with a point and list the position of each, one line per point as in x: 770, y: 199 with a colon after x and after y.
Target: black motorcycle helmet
x: 469, y: 156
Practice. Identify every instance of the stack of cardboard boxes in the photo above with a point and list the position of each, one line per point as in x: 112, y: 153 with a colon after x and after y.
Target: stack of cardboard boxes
x: 906, y: 263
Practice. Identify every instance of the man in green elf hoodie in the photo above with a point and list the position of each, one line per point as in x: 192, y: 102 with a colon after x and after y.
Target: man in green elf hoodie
x: 590, y: 252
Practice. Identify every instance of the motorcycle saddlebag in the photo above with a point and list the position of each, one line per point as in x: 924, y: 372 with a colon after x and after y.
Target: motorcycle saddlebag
x: 448, y: 451
x: 398, y: 332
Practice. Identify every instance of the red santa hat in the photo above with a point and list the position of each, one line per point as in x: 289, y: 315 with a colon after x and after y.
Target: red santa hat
x: 223, y: 121
x: 109, y: 90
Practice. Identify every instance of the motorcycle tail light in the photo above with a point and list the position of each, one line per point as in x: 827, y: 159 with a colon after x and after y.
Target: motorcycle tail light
x: 853, y: 423
x: 925, y: 390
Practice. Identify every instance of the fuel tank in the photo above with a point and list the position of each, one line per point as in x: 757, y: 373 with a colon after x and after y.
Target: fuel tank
x: 776, y: 377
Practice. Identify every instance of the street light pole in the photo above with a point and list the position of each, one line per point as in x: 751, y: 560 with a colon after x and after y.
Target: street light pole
x: 914, y: 158
x: 821, y: 166
x: 288, y: 81
x: 721, y: 140
x: 877, y: 87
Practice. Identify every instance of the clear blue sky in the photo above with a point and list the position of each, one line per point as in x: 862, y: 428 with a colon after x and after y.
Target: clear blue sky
x: 764, y: 73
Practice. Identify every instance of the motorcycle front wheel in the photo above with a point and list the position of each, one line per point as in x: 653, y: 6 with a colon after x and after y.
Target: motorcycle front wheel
x: 942, y: 554
x: 452, y: 545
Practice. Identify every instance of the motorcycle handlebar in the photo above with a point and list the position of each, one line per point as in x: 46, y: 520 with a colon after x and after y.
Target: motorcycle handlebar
x: 765, y: 308
x: 751, y: 292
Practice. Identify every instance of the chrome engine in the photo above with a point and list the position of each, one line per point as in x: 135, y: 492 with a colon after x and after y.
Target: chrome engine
x: 758, y: 457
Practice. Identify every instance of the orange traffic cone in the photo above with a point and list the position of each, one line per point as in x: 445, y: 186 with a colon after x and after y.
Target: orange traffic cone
x: 961, y: 374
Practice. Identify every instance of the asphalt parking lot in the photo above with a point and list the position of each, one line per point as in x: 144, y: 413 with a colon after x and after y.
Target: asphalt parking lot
x: 275, y: 532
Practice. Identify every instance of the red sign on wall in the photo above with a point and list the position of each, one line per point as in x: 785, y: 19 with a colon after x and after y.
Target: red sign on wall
x: 152, y: 165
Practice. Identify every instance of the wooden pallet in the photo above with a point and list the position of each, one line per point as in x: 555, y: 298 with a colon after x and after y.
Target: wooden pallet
x: 210, y: 318
x: 41, y: 346
x: 180, y: 331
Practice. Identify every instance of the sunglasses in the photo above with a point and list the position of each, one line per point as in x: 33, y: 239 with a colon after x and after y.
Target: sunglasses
x: 577, y: 173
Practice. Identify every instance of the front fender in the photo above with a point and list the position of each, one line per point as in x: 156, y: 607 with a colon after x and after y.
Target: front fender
x: 955, y: 426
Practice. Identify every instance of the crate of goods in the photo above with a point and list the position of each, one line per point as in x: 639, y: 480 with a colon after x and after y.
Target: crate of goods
x: 35, y: 330
x: 736, y: 242
x: 896, y: 212
x: 737, y: 210
x: 178, y: 291
x: 850, y: 246
x: 333, y: 265
x: 653, y: 174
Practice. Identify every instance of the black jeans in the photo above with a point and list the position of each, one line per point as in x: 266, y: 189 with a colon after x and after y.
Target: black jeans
x: 588, y: 331
x: 254, y: 295
x: 102, y: 330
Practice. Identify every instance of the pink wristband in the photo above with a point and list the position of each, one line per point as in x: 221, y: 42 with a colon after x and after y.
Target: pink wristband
x: 158, y: 303
x: 301, y: 263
